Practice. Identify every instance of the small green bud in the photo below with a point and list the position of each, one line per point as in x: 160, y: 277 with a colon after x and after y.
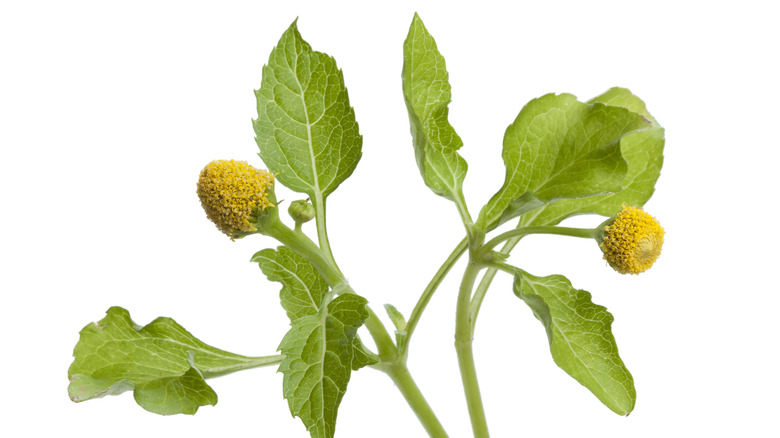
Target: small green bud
x: 301, y: 211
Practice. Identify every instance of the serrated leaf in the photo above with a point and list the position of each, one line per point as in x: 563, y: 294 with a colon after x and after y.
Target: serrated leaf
x: 643, y: 152
x: 559, y: 148
x: 306, y: 128
x: 303, y: 288
x: 580, y: 335
x: 427, y: 95
x: 162, y: 363
x: 319, y: 355
x: 303, y: 291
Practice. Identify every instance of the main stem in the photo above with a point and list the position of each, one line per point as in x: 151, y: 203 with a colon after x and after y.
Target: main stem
x: 464, y: 337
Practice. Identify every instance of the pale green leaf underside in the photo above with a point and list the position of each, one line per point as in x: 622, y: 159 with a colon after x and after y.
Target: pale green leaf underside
x: 643, y: 152
x: 319, y: 355
x: 559, y: 148
x: 427, y: 94
x: 162, y: 363
x: 580, y: 335
x: 305, y: 126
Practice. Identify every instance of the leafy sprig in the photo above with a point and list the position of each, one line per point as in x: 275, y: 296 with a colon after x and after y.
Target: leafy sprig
x: 563, y: 157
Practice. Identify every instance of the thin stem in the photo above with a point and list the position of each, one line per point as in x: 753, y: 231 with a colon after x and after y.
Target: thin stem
x: 248, y: 363
x: 588, y: 233
x: 399, y: 373
x: 322, y: 233
x: 463, y: 345
x: 484, y: 284
x: 425, y: 298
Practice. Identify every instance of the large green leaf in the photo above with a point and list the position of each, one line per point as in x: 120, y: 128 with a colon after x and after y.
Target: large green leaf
x: 580, y: 336
x: 427, y: 93
x: 305, y: 127
x: 559, y: 148
x: 319, y: 355
x: 643, y: 152
x: 162, y: 363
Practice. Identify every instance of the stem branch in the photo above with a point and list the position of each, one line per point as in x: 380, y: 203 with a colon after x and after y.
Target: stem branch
x: 427, y: 294
x: 588, y: 233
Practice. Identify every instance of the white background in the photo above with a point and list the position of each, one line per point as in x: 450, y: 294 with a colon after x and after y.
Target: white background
x: 108, y: 111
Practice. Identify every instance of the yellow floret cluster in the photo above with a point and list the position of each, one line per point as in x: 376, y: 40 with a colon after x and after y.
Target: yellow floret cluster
x: 230, y: 190
x: 633, y: 242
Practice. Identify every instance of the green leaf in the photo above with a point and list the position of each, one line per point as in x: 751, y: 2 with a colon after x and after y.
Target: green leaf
x: 303, y: 291
x: 559, y: 148
x: 396, y: 317
x: 398, y: 321
x: 426, y: 90
x: 162, y: 363
x: 363, y: 357
x: 580, y: 336
x: 305, y: 126
x: 319, y: 355
x: 623, y: 97
x: 643, y: 152
x: 303, y: 288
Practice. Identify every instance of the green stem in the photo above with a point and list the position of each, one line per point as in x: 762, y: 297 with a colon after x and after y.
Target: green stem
x: 425, y: 298
x: 322, y: 233
x: 484, y: 284
x: 588, y: 233
x: 249, y: 363
x: 464, y: 337
x: 399, y: 373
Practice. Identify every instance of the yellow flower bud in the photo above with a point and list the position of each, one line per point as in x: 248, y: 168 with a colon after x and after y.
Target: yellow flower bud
x: 632, y: 241
x: 233, y: 193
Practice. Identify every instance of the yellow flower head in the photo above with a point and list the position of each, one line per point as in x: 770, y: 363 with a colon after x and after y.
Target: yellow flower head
x: 232, y: 192
x: 632, y: 242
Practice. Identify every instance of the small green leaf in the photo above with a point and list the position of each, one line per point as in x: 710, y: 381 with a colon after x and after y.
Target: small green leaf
x: 396, y: 317
x: 305, y: 126
x: 320, y: 354
x: 427, y: 93
x: 643, y: 152
x: 163, y: 364
x: 303, y: 288
x: 559, y: 148
x: 580, y: 336
x: 398, y: 321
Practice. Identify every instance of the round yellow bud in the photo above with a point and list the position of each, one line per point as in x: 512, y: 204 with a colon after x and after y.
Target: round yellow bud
x: 632, y: 242
x: 232, y: 192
